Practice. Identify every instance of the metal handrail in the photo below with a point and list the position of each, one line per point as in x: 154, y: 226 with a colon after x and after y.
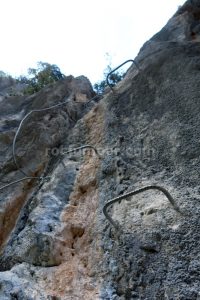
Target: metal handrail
x: 132, y: 193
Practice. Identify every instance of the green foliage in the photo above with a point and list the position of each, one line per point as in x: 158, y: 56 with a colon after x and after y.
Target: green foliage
x: 114, y: 78
x: 100, y: 86
x: 40, y: 77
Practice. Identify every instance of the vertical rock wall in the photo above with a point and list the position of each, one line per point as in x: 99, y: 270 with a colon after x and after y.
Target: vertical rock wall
x: 56, y: 241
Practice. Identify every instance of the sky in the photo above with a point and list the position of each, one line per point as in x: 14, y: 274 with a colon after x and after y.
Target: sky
x: 77, y: 35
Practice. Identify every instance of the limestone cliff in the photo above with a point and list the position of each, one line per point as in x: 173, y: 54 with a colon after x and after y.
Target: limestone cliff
x: 55, y: 240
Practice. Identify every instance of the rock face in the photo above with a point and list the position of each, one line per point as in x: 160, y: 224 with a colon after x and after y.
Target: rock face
x: 55, y: 240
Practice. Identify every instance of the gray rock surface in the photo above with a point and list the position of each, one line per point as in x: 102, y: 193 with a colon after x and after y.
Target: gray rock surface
x: 56, y: 242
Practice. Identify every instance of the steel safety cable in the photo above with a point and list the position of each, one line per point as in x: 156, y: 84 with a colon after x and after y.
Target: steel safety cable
x: 27, y: 177
x: 19, y: 128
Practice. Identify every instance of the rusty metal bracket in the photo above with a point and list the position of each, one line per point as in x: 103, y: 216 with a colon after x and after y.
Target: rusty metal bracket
x: 146, y: 188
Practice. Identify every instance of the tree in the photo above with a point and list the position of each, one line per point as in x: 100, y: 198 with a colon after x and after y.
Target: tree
x: 114, y: 78
x: 40, y: 77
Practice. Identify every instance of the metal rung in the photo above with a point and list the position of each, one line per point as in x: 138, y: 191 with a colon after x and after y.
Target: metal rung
x: 149, y: 187
x: 127, y: 61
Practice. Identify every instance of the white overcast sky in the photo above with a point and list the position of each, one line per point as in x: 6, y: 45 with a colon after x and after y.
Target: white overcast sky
x: 76, y: 34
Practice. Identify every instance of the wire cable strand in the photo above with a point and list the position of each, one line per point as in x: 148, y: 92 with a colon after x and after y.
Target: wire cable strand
x: 46, y: 177
x: 16, y: 181
x: 20, y: 126
x: 27, y: 177
x: 22, y: 121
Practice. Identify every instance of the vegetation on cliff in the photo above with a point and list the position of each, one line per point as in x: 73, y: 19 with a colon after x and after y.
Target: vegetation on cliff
x: 38, y: 78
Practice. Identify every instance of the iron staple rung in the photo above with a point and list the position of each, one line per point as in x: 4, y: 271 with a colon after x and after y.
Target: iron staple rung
x: 132, y: 193
x: 127, y: 61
